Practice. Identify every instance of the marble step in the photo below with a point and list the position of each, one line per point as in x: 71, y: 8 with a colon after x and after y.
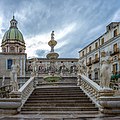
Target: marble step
x: 62, y: 93
x: 56, y: 90
x: 57, y: 84
x: 60, y: 112
x: 54, y: 108
x: 58, y: 95
x: 58, y: 98
x: 61, y: 87
x: 58, y: 101
x: 59, y: 104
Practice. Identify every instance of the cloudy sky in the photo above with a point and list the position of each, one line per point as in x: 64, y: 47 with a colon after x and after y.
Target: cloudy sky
x: 76, y: 23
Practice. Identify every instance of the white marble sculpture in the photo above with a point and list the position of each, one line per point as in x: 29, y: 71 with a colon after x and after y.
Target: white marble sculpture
x: 82, y: 69
x: 13, y: 75
x: 105, y: 74
x: 3, y: 81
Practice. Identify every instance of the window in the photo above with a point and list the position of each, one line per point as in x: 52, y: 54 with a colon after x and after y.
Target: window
x: 102, y: 41
x: 4, y: 49
x: 115, y: 32
x: 90, y: 76
x: 90, y: 49
x: 83, y: 53
x: 12, y: 49
x: 96, y: 45
x: 96, y: 56
x: 96, y: 75
x: 115, y: 68
x: 9, y: 63
x: 115, y: 47
x: 20, y: 50
x: 90, y: 60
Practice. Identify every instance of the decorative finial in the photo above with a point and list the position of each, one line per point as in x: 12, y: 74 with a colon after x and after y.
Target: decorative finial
x: 52, y: 35
x: 13, y: 16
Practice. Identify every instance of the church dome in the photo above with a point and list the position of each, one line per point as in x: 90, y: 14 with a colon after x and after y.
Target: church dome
x: 13, y: 34
x: 13, y: 41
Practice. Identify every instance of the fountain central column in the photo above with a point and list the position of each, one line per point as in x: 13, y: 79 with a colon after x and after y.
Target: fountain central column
x: 52, y: 56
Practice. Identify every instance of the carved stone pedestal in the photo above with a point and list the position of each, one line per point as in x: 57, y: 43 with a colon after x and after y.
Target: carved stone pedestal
x: 106, y: 92
x: 110, y: 104
x: 9, y: 105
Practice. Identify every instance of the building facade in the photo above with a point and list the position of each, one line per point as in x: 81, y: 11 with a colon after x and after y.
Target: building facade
x: 13, y: 51
x: 108, y: 44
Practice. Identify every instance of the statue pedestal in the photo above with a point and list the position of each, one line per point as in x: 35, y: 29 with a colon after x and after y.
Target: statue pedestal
x: 106, y: 92
x: 110, y: 104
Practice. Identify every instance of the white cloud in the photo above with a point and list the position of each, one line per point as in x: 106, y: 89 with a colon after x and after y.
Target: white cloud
x: 41, y: 41
x: 67, y: 29
x: 95, y: 29
x: 116, y: 16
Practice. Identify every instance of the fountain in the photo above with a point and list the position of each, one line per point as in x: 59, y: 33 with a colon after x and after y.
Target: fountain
x: 52, y: 56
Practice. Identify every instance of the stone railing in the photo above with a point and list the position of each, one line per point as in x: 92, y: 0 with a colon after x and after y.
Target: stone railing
x: 27, y: 89
x: 89, y: 87
x: 105, y: 98
x: 12, y: 100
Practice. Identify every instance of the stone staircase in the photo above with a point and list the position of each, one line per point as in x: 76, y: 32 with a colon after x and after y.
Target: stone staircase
x: 59, y: 101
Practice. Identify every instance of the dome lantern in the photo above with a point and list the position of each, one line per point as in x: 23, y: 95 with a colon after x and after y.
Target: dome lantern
x: 13, y: 23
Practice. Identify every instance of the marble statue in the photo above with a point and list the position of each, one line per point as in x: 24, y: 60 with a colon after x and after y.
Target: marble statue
x: 82, y: 69
x: 3, y: 81
x: 13, y: 75
x: 105, y: 74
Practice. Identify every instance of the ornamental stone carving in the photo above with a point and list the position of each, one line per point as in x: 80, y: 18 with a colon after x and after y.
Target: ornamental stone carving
x: 82, y: 69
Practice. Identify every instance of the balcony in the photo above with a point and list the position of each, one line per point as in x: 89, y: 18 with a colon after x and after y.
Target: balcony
x: 89, y: 63
x: 96, y: 60
x: 114, y: 52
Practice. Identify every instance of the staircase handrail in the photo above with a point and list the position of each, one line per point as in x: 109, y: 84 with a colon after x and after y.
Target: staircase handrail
x: 26, y: 89
x: 92, y: 83
x: 91, y: 88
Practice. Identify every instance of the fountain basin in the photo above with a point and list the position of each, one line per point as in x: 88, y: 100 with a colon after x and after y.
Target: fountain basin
x: 52, y: 78
x: 52, y: 55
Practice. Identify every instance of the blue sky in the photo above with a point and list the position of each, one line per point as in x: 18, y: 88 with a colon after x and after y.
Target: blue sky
x: 76, y: 23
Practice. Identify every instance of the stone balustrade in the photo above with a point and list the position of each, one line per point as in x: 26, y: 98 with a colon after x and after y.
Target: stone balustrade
x: 104, y: 98
x: 27, y: 89
x: 11, y: 101
x: 89, y: 87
